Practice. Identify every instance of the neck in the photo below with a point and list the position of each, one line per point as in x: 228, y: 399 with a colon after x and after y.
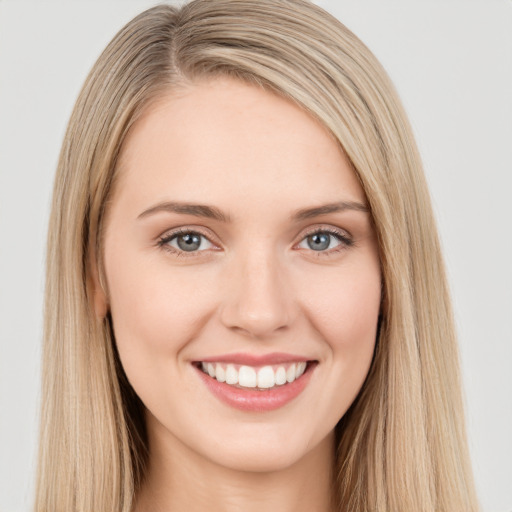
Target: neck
x: 179, y: 479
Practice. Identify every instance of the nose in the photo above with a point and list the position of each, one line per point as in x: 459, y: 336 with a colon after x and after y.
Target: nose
x: 259, y: 300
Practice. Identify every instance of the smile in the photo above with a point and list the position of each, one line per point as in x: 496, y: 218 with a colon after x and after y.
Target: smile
x: 243, y: 376
x: 261, y: 384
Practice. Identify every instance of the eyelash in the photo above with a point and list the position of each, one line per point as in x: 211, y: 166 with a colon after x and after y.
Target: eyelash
x: 342, y: 236
x: 345, y: 241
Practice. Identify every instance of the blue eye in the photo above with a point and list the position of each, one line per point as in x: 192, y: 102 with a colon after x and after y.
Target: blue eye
x: 189, y: 243
x: 185, y: 242
x: 323, y: 240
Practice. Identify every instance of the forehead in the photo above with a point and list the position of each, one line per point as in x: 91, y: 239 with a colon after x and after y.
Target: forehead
x: 209, y: 139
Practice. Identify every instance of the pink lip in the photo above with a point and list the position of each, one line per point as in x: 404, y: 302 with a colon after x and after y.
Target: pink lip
x: 255, y: 400
x: 256, y: 360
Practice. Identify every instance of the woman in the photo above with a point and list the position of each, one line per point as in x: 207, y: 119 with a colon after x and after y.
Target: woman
x: 233, y: 321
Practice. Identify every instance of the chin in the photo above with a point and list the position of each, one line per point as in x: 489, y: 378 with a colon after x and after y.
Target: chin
x: 269, y: 453
x: 252, y: 459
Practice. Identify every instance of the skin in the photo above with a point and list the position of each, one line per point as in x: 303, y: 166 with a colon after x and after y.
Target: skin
x: 255, y: 285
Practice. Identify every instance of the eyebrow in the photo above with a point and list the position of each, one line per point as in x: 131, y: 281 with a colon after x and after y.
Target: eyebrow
x: 211, y: 212
x: 341, y: 206
x: 198, y: 210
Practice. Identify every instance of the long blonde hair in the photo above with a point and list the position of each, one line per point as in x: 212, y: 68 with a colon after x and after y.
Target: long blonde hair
x: 402, y: 445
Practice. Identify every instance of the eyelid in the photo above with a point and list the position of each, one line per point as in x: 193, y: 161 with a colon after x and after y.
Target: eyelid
x: 326, y: 229
x: 344, y: 237
x: 167, y: 236
x: 169, y: 233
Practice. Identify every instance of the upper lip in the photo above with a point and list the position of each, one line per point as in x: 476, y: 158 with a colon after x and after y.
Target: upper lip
x: 255, y: 359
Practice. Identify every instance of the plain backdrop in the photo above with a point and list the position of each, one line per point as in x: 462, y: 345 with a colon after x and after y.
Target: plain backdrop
x: 451, y: 61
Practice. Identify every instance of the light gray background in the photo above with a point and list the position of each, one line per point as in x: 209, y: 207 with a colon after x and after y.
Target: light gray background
x: 451, y: 61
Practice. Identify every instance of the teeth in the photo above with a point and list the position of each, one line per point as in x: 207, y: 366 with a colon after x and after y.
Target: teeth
x: 265, y: 377
x: 220, y: 373
x: 290, y: 373
x: 231, y: 375
x: 247, y: 377
x: 280, y: 376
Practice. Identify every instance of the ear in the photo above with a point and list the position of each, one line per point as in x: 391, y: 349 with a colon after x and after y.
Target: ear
x: 96, y: 291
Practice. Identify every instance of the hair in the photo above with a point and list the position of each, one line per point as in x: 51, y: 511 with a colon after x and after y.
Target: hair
x: 402, y: 444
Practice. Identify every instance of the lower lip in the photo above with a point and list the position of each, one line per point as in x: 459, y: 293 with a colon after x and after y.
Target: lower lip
x: 255, y: 400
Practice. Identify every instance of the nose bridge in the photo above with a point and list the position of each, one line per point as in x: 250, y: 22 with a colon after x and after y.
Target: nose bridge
x: 260, y: 301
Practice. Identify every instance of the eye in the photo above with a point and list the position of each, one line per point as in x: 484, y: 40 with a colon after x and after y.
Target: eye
x: 325, y: 240
x: 185, y: 241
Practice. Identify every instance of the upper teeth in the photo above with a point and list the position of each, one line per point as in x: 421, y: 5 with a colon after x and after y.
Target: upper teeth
x: 250, y: 377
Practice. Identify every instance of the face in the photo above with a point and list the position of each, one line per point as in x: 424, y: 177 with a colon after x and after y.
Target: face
x: 243, y: 276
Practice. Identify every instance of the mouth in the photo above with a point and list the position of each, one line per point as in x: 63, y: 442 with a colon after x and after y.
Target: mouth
x: 260, y: 378
x: 255, y: 387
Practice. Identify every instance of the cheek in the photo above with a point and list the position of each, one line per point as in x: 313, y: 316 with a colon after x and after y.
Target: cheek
x: 155, y: 311
x: 347, y: 318
x: 345, y: 306
x: 344, y: 309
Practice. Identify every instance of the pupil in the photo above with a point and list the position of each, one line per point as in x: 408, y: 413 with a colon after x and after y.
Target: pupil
x: 189, y: 242
x: 319, y: 241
